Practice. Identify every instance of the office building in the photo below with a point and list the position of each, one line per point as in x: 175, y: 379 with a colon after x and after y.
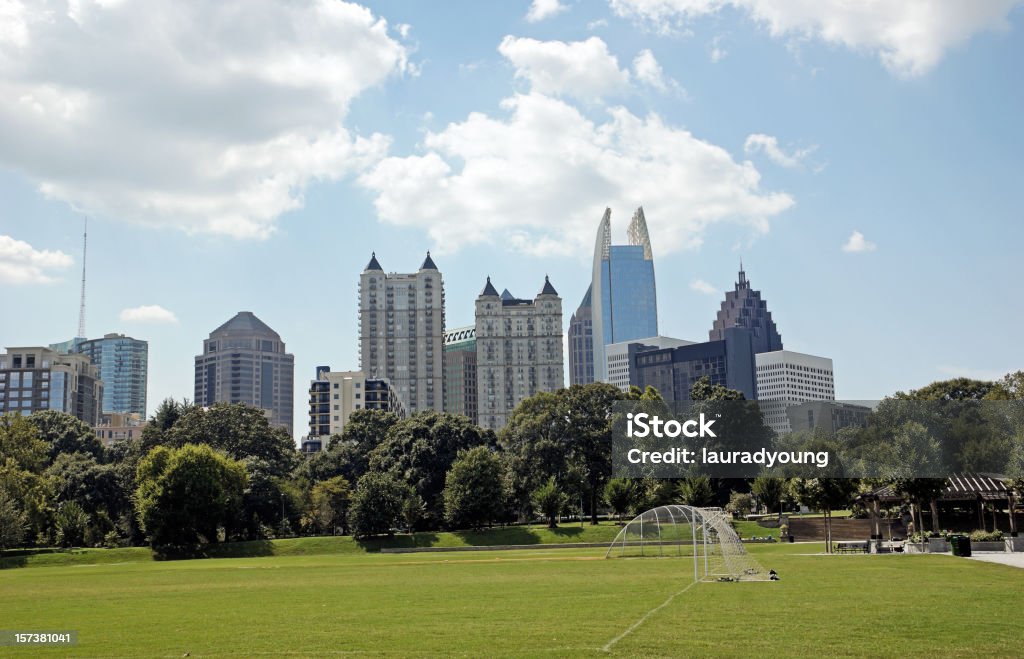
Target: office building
x: 36, y: 378
x: 518, y: 350
x: 624, y: 301
x: 620, y: 356
x: 826, y: 415
x: 244, y: 361
x: 673, y: 371
x: 334, y: 395
x: 401, y: 332
x: 581, y: 343
x: 460, y: 372
x: 119, y: 427
x: 743, y: 307
x: 123, y: 365
x: 786, y: 378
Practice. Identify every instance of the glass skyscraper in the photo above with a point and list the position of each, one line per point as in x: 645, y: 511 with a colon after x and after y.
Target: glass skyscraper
x: 123, y: 365
x: 624, y: 300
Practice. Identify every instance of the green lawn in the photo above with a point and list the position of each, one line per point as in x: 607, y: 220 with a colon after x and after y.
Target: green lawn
x: 528, y: 603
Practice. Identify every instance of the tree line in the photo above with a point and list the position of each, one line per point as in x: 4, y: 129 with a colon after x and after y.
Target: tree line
x: 205, y: 475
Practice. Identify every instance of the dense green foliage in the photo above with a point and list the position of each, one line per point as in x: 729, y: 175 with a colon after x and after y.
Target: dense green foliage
x: 473, y: 492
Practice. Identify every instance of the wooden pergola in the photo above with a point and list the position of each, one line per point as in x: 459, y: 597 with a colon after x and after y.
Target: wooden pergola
x: 978, y: 488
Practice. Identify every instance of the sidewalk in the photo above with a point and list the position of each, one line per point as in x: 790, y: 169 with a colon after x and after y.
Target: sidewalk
x: 1013, y: 560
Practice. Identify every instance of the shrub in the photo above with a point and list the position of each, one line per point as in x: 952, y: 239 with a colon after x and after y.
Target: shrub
x: 986, y: 536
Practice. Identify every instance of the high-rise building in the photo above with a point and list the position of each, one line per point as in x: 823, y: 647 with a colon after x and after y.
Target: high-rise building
x: 518, y: 350
x: 624, y: 300
x: 581, y: 343
x: 673, y: 371
x: 786, y: 378
x: 743, y: 307
x: 401, y: 332
x: 36, y: 378
x: 122, y: 362
x: 620, y: 356
x: 244, y: 361
x: 334, y: 395
x: 119, y: 427
x: 460, y: 372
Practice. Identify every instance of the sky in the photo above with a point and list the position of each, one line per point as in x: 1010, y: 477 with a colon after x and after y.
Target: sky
x: 862, y: 159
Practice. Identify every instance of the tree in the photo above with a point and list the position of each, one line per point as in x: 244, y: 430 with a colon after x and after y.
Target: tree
x: 550, y: 501
x: 186, y: 495
x: 696, y: 491
x: 769, y: 491
x: 366, y: 429
x: 21, y: 444
x: 421, y: 449
x: 70, y: 523
x: 329, y: 503
x: 619, y: 494
x: 954, y: 389
x: 473, y: 489
x: 740, y: 504
x: 825, y: 494
x: 377, y: 504
x: 589, y: 433
x: 241, y: 431
x: 64, y: 433
x: 413, y: 510
x: 167, y: 414
x: 13, y: 523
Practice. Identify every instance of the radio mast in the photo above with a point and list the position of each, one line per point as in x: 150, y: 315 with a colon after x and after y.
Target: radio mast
x: 81, y: 305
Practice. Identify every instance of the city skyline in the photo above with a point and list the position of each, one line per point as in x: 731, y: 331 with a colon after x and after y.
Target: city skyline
x: 803, y: 154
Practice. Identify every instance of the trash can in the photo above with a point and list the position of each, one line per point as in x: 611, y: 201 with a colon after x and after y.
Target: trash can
x: 961, y: 545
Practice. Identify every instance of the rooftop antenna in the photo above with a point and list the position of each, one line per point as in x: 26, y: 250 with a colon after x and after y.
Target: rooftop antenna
x: 81, y: 305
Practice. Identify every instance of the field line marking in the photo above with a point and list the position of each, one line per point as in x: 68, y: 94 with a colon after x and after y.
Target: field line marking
x: 608, y: 646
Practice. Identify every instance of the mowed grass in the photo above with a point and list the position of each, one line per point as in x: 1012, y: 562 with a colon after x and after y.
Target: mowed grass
x: 526, y: 603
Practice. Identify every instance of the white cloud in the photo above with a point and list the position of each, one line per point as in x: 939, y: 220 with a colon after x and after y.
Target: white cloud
x: 582, y: 69
x: 20, y: 263
x: 649, y: 72
x: 597, y: 24
x: 769, y: 145
x: 210, y: 117
x: 716, y: 52
x: 538, y: 179
x: 542, y: 9
x: 857, y: 243
x: 152, y: 314
x: 704, y: 287
x: 910, y: 37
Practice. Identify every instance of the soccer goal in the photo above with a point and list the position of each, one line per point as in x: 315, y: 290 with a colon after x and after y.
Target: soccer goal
x: 702, y: 534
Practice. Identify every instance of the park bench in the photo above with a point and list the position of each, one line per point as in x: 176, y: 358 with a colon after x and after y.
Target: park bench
x: 850, y: 546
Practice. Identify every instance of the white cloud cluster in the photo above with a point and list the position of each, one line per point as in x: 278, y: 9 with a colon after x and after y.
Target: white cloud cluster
x: 584, y: 70
x: 769, y: 146
x: 543, y: 9
x: 152, y: 314
x: 701, y: 286
x: 539, y: 178
x: 20, y: 263
x: 211, y: 117
x: 910, y: 36
x: 857, y: 243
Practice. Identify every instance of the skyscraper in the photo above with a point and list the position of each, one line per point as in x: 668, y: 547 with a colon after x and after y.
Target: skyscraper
x: 123, y: 364
x: 729, y: 362
x: 786, y: 378
x: 244, y: 361
x: 334, y: 395
x: 401, y: 332
x: 624, y: 300
x: 518, y: 350
x: 460, y: 372
x: 36, y: 378
x: 743, y: 307
x: 581, y: 343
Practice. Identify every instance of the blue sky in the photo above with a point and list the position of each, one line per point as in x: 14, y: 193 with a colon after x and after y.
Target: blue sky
x: 251, y: 157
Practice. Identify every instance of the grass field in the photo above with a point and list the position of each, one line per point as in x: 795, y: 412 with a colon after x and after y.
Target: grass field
x: 528, y: 603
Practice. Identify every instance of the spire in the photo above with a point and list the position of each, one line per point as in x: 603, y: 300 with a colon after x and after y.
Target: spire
x: 373, y: 264
x: 742, y: 283
x: 81, y: 304
x: 548, y: 288
x: 428, y: 263
x: 604, y: 234
x: 637, y: 233
x: 489, y: 290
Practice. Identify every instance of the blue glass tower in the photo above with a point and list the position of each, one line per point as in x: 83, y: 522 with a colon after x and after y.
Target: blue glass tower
x: 624, y: 299
x: 123, y: 363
